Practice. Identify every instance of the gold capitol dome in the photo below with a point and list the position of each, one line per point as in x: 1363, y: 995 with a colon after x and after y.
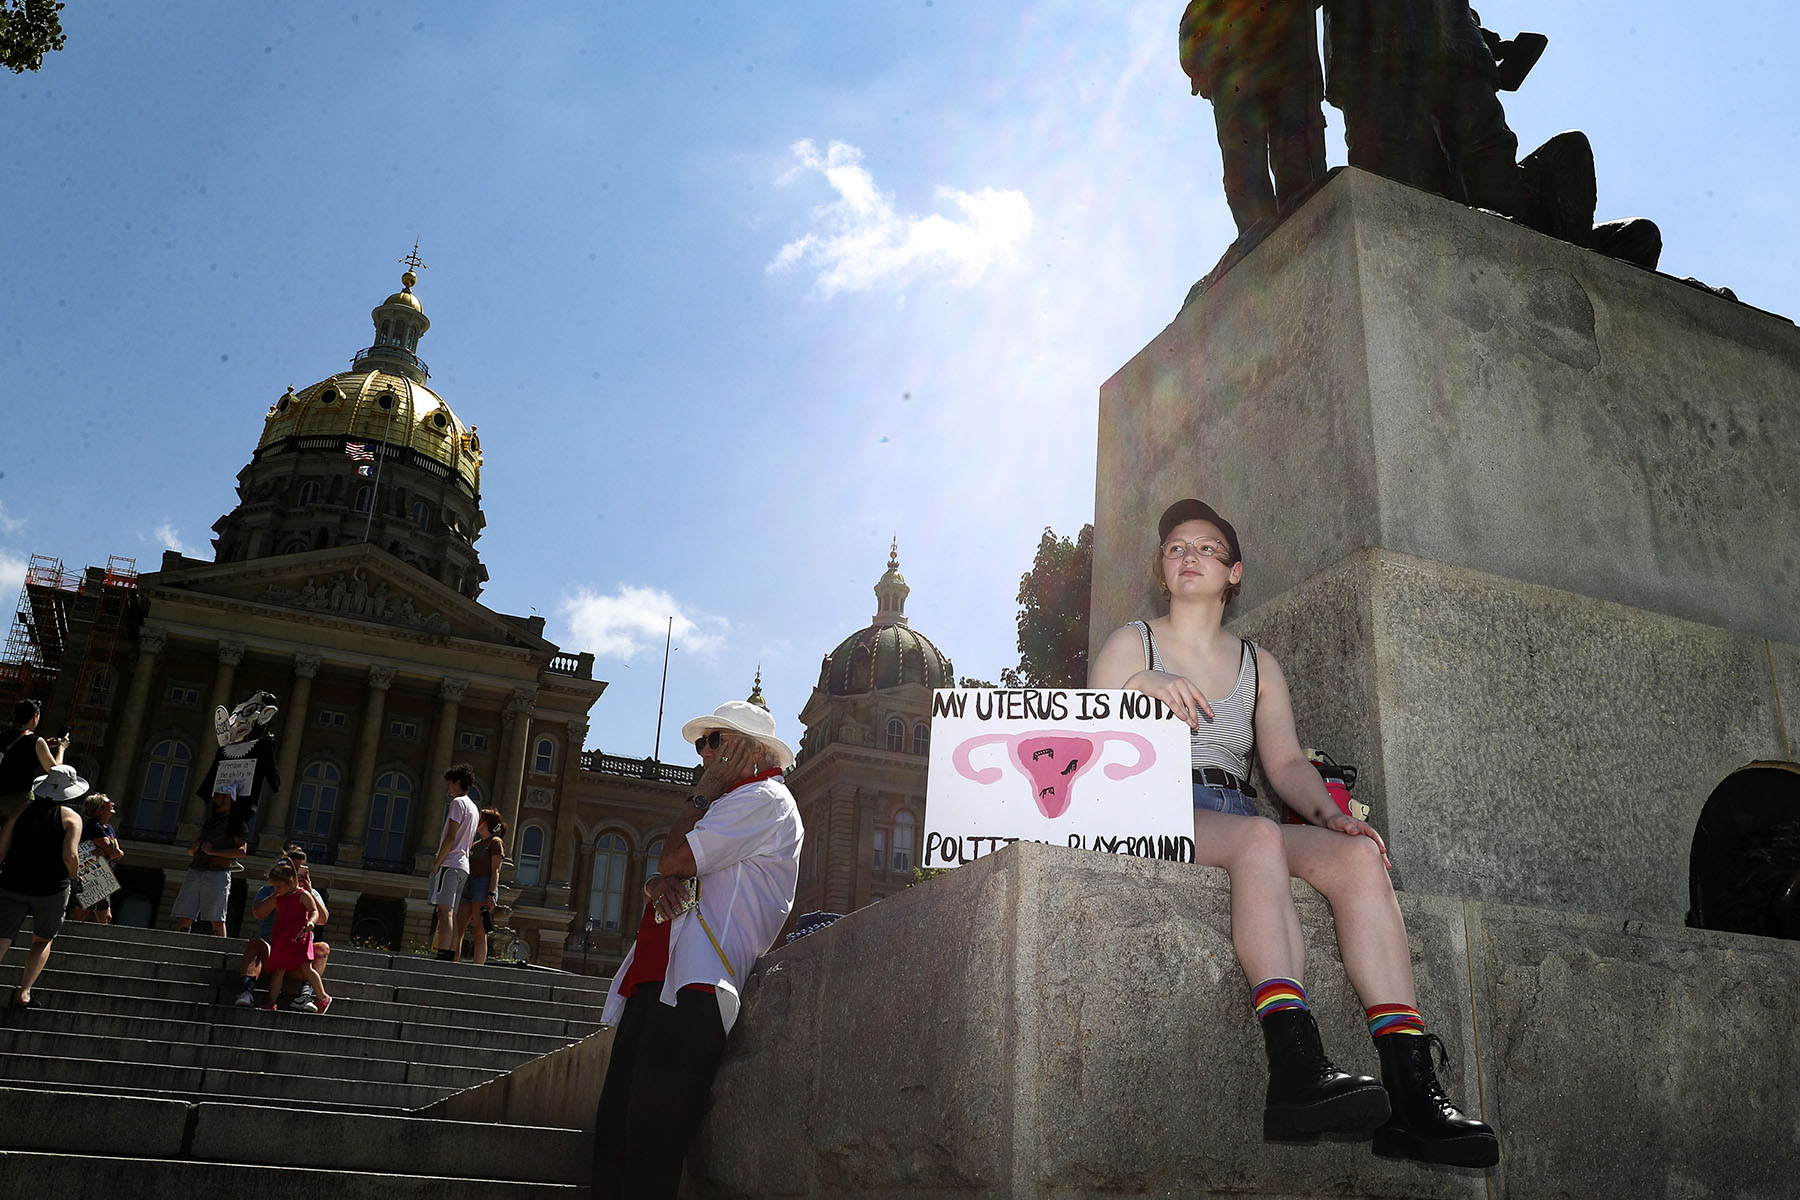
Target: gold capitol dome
x: 383, y: 397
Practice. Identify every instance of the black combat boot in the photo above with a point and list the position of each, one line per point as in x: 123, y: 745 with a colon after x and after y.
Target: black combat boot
x: 1307, y: 1095
x: 1425, y: 1125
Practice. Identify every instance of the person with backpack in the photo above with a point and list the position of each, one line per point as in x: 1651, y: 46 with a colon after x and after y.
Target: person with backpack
x: 1234, y: 697
x: 39, y: 869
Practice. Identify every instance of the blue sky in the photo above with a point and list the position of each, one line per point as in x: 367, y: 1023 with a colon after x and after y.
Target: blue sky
x: 735, y: 292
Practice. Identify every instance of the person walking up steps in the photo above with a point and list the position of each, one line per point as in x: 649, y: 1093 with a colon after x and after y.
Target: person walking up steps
x: 38, y: 870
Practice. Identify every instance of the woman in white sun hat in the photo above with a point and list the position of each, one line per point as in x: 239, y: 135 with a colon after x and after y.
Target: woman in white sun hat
x: 39, y: 868
x: 722, y: 891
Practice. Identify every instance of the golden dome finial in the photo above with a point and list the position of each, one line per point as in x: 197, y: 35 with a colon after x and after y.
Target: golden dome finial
x: 413, y: 264
x: 756, y: 697
x: 894, y: 553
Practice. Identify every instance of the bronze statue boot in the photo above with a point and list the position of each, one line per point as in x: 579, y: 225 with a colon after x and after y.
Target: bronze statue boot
x: 1425, y: 1126
x: 1307, y: 1095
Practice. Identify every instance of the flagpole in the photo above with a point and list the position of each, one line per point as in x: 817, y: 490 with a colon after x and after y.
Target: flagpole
x: 660, y: 696
x: 375, y: 489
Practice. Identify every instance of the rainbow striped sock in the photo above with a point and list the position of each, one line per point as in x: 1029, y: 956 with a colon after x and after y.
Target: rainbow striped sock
x: 1394, y: 1018
x: 1277, y: 995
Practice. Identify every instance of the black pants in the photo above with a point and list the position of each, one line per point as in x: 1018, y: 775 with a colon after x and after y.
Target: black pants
x: 658, y: 1086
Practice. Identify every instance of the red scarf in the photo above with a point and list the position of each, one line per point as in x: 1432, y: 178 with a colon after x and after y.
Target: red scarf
x: 650, y: 961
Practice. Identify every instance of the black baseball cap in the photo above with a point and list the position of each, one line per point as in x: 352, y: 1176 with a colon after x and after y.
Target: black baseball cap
x: 1198, y: 510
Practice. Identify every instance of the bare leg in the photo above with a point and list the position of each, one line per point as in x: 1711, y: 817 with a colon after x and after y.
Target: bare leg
x: 479, y: 933
x: 183, y: 924
x: 35, y: 958
x: 310, y: 973
x: 1265, y: 929
x: 103, y: 916
x: 321, y: 958
x: 449, y: 934
x: 256, y: 953
x: 275, y: 981
x: 1371, y: 934
x: 218, y: 928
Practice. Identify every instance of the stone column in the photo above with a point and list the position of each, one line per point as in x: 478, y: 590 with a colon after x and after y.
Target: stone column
x: 559, y: 850
x: 360, y: 787
x: 131, y: 721
x: 287, y: 761
x: 230, y: 655
x: 517, y: 721
x: 427, y: 828
x: 192, y: 810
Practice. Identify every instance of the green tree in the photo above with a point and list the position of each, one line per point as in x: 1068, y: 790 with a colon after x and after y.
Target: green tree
x: 29, y: 29
x: 1053, y: 613
x: 969, y: 681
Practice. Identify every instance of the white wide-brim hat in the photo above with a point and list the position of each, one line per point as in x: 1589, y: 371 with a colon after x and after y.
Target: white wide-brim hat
x: 745, y: 718
x: 61, y: 783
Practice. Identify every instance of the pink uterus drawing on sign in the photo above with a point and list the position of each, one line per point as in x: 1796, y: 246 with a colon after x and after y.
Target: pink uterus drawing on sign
x: 1051, y: 762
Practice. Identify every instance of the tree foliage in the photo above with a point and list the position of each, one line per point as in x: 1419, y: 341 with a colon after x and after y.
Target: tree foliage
x: 29, y: 29
x: 1053, y: 613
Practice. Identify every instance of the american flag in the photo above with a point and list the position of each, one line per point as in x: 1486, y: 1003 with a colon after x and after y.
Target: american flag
x: 358, y: 452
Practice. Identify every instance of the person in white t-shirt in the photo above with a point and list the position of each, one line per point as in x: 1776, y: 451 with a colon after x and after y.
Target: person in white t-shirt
x: 723, y: 889
x: 450, y: 873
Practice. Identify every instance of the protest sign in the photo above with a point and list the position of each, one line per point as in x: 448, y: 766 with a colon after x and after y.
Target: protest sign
x: 1012, y: 765
x: 235, y: 777
x: 97, y: 878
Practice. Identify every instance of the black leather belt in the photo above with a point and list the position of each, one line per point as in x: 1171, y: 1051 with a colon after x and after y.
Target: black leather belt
x: 1214, y: 777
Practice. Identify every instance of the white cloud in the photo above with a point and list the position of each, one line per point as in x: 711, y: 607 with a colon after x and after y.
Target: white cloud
x: 169, y: 538
x: 12, y: 578
x: 634, y: 619
x: 10, y: 525
x: 859, y: 240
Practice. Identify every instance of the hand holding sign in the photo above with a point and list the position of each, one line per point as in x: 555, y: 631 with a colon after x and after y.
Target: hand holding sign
x: 1054, y: 739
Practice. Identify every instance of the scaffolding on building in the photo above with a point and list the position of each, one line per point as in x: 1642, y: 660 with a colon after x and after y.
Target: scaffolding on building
x: 44, y: 640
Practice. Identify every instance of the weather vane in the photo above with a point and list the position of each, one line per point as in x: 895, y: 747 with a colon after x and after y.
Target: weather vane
x: 413, y: 260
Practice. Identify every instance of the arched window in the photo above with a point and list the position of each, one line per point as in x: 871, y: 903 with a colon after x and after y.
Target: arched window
x: 315, y: 804
x: 543, y: 759
x: 309, y: 493
x: 896, y: 734
x: 531, y: 856
x: 921, y: 738
x: 421, y: 514
x: 606, y: 896
x: 903, y: 841
x: 879, y: 859
x: 165, y: 785
x: 653, y: 856
x: 100, y: 687
x: 365, y: 498
x: 388, y: 811
x: 297, y: 546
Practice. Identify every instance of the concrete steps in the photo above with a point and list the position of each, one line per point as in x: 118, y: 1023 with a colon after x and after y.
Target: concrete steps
x: 140, y: 1076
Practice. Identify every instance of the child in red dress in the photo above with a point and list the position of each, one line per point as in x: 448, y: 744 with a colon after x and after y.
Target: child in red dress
x: 291, y: 947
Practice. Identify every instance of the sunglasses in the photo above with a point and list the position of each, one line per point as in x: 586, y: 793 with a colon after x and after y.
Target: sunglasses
x: 708, y: 741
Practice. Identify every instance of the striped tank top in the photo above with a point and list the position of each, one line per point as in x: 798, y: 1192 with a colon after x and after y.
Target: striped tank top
x: 1226, y: 741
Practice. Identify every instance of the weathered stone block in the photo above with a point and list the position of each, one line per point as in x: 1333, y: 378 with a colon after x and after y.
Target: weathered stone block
x: 1519, y: 743
x: 1050, y: 1023
x: 1391, y: 369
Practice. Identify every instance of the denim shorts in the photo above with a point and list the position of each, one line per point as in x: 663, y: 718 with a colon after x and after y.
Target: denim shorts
x: 1223, y: 799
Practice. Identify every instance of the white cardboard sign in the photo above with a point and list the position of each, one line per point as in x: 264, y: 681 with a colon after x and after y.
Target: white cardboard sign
x: 1093, y: 770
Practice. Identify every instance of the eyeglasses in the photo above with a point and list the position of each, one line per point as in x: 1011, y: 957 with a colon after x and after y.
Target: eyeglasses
x: 1200, y: 547
x: 708, y: 741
